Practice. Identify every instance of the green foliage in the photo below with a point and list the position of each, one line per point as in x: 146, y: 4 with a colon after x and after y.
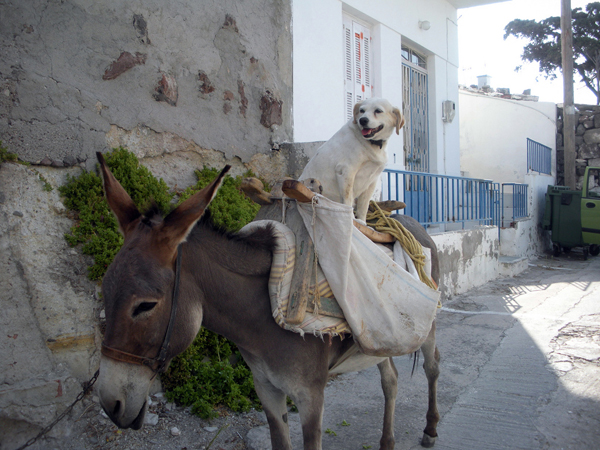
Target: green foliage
x: 204, y: 375
x: 5, y: 155
x: 230, y: 208
x: 96, y: 227
x: 545, y: 44
x: 211, y: 371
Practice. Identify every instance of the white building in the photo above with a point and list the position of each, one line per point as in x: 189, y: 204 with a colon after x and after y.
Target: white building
x: 402, y: 50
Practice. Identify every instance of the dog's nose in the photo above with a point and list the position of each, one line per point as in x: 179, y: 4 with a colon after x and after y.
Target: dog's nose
x: 364, y: 121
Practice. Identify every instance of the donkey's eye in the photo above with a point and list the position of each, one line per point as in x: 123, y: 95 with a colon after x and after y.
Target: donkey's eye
x: 143, y: 307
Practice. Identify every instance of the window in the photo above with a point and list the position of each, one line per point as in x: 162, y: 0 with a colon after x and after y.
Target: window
x: 357, y: 63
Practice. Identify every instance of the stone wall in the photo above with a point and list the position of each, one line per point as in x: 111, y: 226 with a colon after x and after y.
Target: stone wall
x: 211, y: 77
x: 587, y: 142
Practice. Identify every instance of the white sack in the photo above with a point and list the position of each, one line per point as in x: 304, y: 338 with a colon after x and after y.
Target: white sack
x: 389, y: 311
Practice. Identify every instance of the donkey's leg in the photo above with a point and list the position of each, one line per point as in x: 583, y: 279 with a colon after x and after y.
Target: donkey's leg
x: 432, y: 371
x: 389, y: 383
x: 310, y: 402
x: 274, y: 404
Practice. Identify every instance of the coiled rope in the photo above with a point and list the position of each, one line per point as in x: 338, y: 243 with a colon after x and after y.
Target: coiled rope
x: 381, y: 221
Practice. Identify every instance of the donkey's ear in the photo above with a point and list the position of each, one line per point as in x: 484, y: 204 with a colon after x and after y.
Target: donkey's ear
x: 118, y: 199
x: 178, y: 224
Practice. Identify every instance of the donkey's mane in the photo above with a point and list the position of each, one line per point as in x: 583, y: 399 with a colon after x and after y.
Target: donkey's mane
x: 260, y: 239
x: 246, y: 255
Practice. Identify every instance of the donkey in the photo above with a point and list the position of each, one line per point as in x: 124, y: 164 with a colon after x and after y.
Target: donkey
x: 176, y: 273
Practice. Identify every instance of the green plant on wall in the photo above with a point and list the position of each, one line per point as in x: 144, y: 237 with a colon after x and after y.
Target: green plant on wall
x: 210, y: 372
x: 5, y: 155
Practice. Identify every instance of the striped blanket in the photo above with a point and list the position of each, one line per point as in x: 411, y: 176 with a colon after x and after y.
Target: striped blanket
x: 282, y: 271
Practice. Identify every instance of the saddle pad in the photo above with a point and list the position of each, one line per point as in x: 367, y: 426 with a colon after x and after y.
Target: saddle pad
x: 282, y: 270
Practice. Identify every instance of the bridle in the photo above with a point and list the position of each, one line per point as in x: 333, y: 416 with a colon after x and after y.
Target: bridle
x: 156, y: 364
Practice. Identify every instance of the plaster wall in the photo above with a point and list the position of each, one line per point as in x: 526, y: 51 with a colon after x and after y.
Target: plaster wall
x: 50, y: 310
x: 526, y: 238
x: 494, y: 132
x: 215, y: 74
x: 318, y: 67
x: 468, y: 258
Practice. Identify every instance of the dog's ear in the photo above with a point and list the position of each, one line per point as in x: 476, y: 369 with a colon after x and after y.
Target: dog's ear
x: 355, y: 111
x: 399, y: 119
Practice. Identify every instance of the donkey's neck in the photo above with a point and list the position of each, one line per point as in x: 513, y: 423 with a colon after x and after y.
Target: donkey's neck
x: 231, y: 274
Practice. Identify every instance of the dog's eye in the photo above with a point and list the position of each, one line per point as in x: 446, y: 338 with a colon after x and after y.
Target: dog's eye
x: 362, y: 110
x: 378, y: 111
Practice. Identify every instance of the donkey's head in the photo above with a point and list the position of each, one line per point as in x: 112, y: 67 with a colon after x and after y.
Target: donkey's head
x: 138, y: 291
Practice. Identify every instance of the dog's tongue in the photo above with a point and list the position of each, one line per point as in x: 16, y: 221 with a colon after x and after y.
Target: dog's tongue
x: 366, y: 131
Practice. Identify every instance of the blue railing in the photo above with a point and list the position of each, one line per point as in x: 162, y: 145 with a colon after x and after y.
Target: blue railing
x: 442, y: 199
x: 514, y: 202
x: 539, y: 157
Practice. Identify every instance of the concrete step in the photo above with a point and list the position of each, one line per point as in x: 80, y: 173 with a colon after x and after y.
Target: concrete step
x: 512, y: 265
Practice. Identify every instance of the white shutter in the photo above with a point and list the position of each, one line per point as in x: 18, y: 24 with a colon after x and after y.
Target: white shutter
x: 357, y: 34
x: 357, y: 64
x: 348, y: 84
x: 367, y: 85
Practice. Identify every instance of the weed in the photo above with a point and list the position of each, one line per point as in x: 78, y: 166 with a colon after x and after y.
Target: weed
x: 345, y: 424
x: 6, y: 156
x: 330, y: 432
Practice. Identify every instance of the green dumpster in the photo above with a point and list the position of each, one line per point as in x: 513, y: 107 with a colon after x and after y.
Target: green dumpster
x: 563, y: 218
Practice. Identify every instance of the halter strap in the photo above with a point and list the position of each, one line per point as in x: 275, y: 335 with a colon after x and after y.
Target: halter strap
x: 157, y: 364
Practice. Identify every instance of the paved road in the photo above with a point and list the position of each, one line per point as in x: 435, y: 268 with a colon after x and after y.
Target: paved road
x: 520, y: 370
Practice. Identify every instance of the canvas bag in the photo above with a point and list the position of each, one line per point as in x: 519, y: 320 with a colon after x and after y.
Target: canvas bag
x: 389, y: 312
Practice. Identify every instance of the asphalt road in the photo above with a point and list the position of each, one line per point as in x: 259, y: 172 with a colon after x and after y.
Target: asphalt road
x: 520, y: 369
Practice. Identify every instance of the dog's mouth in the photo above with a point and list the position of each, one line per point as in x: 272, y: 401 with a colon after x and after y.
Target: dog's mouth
x: 368, y: 133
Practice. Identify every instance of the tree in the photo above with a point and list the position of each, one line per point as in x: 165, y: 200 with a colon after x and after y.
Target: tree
x: 545, y: 46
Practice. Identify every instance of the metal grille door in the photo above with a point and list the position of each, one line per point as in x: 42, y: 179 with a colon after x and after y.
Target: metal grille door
x: 416, y: 129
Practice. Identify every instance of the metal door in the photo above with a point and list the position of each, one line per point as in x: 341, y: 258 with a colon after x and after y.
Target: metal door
x: 416, y: 135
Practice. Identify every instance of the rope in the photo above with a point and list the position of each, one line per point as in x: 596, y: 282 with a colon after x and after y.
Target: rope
x: 317, y: 297
x: 381, y: 221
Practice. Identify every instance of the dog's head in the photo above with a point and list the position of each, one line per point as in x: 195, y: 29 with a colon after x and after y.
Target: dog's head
x: 376, y: 118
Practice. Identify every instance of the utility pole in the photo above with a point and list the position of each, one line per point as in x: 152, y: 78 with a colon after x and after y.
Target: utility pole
x: 568, y: 97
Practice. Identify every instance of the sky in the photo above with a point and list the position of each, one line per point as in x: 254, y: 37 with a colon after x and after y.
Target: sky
x: 483, y: 50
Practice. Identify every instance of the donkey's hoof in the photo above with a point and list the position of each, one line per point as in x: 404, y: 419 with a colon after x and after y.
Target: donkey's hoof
x: 428, y: 441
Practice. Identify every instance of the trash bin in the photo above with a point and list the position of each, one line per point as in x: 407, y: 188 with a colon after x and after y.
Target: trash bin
x: 563, y: 218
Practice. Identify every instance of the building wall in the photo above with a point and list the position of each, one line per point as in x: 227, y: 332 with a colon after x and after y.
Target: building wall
x: 494, y: 132
x: 319, y: 97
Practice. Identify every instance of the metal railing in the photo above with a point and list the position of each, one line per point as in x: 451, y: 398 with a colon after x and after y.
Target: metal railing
x: 442, y: 199
x: 514, y: 203
x: 539, y: 157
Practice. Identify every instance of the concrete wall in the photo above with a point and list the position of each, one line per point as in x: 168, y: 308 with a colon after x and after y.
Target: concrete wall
x: 81, y: 76
x: 526, y: 238
x: 468, y: 258
x: 318, y: 67
x: 494, y: 132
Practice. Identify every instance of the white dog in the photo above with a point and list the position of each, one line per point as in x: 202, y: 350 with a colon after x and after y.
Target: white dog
x: 349, y: 164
